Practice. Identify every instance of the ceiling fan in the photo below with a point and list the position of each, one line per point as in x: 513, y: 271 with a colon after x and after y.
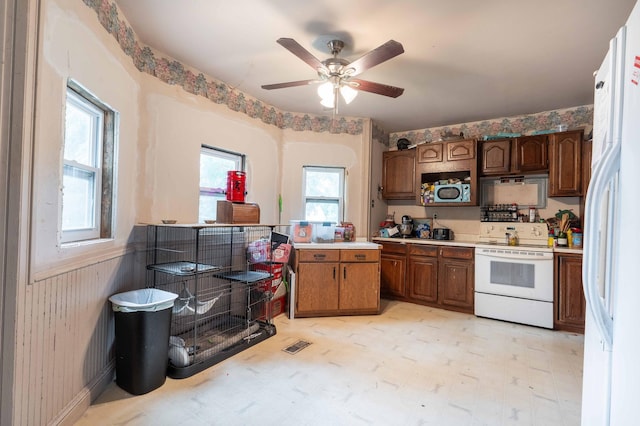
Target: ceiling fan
x: 337, y: 74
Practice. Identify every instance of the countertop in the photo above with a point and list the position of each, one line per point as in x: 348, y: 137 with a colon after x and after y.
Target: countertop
x: 354, y: 245
x: 459, y: 243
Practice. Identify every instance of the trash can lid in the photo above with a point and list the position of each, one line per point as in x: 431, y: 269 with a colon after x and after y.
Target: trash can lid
x: 143, y: 298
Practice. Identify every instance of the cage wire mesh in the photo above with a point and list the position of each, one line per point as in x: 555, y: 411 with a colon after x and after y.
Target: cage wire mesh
x: 223, y: 278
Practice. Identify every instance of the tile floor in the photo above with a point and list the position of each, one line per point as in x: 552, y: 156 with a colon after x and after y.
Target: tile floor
x: 411, y: 365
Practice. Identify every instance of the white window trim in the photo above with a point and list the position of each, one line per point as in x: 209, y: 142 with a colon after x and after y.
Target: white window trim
x: 104, y: 190
x: 340, y: 198
x: 80, y: 102
x: 239, y: 159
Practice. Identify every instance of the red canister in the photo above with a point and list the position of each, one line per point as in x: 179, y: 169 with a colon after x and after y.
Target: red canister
x: 236, y: 182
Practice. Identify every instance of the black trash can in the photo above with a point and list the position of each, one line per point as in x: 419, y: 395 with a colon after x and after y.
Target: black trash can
x: 142, y: 327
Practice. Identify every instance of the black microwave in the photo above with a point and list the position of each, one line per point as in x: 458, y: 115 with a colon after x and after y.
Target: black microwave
x: 452, y: 193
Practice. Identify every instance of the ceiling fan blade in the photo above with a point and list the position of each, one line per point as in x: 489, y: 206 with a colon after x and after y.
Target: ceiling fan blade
x: 378, y: 55
x: 289, y: 84
x: 294, y: 47
x: 377, y: 88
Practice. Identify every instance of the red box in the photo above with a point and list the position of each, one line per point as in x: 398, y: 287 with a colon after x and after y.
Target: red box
x: 278, y: 306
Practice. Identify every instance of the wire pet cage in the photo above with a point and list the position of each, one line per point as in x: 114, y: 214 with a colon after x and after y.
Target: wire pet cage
x: 223, y: 286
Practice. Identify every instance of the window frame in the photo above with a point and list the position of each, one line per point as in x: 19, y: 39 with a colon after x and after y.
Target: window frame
x: 342, y: 185
x: 238, y: 158
x: 104, y: 168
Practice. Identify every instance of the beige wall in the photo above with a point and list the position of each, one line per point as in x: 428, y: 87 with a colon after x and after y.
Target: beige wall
x: 64, y: 347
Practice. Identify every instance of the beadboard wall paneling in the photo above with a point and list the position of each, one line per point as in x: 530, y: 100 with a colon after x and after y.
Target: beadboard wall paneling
x: 66, y: 341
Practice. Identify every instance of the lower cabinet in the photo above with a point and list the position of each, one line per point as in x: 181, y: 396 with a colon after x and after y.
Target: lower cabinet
x: 439, y: 276
x: 456, y: 278
x: 337, y: 282
x: 393, y: 270
x: 569, y: 301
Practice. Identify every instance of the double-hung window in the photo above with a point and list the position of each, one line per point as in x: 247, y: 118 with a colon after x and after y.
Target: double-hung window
x: 88, y: 166
x: 323, y: 193
x: 214, y: 165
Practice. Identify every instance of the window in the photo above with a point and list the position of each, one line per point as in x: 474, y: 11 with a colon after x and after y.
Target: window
x: 323, y: 193
x: 87, y: 172
x: 214, y: 165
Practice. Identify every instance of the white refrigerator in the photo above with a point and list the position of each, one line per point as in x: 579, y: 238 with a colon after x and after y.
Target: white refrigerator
x: 611, y: 258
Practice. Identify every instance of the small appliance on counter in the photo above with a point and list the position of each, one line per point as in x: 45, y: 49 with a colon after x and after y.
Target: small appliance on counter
x: 406, y: 227
x: 442, y: 234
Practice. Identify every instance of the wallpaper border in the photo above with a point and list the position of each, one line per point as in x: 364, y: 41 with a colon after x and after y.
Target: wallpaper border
x: 573, y: 118
x: 173, y: 72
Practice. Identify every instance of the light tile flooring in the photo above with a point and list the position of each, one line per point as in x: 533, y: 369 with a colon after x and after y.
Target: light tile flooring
x: 411, y: 365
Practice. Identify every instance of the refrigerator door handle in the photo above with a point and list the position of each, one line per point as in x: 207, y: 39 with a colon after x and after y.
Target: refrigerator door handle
x: 604, y: 172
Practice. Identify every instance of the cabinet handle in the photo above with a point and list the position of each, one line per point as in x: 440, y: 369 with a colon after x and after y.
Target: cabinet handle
x: 344, y: 273
x: 334, y: 272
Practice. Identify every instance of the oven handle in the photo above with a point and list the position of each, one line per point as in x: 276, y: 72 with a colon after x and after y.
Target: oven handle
x: 509, y: 254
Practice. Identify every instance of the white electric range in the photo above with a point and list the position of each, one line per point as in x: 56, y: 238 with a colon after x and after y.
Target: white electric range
x: 514, y: 283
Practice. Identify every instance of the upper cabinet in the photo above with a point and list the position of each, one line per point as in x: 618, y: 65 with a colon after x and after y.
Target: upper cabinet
x: 565, y: 165
x: 526, y: 154
x: 495, y: 157
x: 531, y: 154
x: 398, y: 174
x: 449, y: 161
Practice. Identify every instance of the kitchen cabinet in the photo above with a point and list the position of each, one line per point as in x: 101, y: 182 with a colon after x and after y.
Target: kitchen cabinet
x: 495, y: 157
x: 569, y: 301
x: 398, y: 175
x: 392, y: 269
x: 531, y: 153
x: 449, y: 161
x: 565, y: 164
x: 439, y: 276
x: 522, y: 155
x: 422, y: 273
x: 337, y: 282
x: 456, y: 278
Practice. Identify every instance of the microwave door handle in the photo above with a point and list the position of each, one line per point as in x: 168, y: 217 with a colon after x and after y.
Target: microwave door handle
x: 604, y: 172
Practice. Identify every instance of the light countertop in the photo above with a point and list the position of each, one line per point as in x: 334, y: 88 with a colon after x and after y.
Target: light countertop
x: 459, y: 243
x: 353, y: 245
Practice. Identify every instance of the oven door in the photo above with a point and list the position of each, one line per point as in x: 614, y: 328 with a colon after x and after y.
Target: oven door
x: 515, y: 272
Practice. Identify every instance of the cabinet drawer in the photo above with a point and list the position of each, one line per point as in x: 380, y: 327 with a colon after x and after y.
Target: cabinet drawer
x: 318, y: 255
x: 456, y: 252
x: 394, y: 248
x: 420, y: 250
x: 359, y: 255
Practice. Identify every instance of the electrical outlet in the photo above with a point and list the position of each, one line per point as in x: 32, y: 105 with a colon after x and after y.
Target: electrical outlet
x: 435, y: 216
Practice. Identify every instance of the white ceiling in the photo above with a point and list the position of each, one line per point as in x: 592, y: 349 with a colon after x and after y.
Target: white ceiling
x: 464, y: 60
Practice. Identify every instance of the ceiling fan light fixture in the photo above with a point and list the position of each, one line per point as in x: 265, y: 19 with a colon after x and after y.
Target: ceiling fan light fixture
x: 348, y: 93
x: 326, y: 93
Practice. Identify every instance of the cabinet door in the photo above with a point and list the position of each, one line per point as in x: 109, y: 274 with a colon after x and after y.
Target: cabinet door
x: 398, y: 175
x: 422, y: 274
x: 317, y: 288
x: 461, y: 150
x: 430, y: 153
x: 570, y: 302
x: 496, y: 157
x: 531, y: 154
x: 392, y: 275
x: 455, y: 284
x: 359, y: 287
x: 565, y: 164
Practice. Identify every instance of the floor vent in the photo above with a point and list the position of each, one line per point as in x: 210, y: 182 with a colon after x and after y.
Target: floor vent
x: 296, y: 347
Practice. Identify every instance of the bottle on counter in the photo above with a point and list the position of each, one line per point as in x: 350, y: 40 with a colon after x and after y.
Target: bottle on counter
x: 532, y: 214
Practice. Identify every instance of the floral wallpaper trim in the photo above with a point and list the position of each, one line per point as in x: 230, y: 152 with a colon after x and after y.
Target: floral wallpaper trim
x: 576, y: 117
x: 173, y: 72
